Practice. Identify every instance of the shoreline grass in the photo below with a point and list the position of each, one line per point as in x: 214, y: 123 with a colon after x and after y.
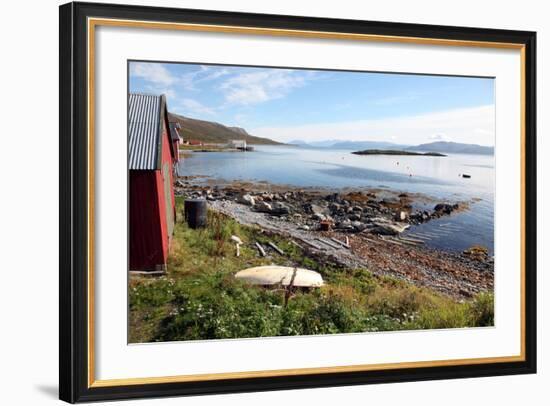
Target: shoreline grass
x: 200, y: 298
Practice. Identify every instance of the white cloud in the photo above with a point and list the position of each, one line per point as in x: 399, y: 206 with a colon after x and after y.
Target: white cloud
x: 152, y: 72
x: 239, y: 87
x: 213, y: 73
x: 187, y: 80
x: 204, y: 74
x: 439, y: 137
x: 460, y: 125
x: 158, y: 74
x: 261, y: 86
x: 155, y: 89
x: 195, y: 107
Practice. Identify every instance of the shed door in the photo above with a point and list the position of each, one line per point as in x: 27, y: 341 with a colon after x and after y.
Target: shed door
x: 168, y: 198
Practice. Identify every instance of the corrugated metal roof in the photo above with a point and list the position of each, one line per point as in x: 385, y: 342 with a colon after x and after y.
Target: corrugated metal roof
x: 144, y: 117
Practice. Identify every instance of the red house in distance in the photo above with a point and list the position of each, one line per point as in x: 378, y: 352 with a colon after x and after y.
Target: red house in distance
x: 151, y: 156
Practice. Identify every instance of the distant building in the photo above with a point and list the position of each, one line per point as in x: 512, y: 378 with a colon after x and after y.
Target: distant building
x: 195, y: 142
x: 151, y: 154
x: 239, y: 144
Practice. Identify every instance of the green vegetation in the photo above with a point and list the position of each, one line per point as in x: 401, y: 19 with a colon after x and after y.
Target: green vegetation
x: 201, y: 299
x: 214, y: 133
x: 395, y: 152
x: 202, y: 148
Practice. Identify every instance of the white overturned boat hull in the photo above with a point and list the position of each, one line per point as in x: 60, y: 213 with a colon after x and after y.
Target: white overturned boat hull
x: 280, y: 275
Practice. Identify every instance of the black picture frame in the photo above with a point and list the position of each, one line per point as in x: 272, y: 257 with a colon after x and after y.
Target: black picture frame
x: 73, y: 284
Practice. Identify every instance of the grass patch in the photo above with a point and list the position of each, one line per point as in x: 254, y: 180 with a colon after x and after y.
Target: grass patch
x: 201, y: 299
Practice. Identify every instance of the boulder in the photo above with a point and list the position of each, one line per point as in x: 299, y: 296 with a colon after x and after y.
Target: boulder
x: 477, y: 252
x: 333, y: 197
x: 267, y: 196
x: 358, y: 226
x: 279, y: 208
x: 316, y: 209
x: 445, y: 208
x: 402, y: 215
x: 373, y: 205
x: 334, y: 207
x: 344, y: 224
x: 418, y: 217
x: 263, y: 207
x: 317, y: 212
x: 384, y: 226
x: 246, y: 199
x: 318, y: 216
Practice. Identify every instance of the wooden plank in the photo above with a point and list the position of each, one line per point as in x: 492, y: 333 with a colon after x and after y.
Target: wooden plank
x: 272, y: 245
x: 343, y: 244
x: 369, y: 238
x: 296, y: 244
x: 311, y: 244
x: 328, y: 243
x: 260, y: 248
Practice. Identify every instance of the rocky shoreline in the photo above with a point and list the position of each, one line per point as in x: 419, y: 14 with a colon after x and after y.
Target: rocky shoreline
x: 354, y: 229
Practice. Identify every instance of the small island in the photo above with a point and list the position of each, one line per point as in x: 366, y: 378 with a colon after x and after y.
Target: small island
x: 395, y: 152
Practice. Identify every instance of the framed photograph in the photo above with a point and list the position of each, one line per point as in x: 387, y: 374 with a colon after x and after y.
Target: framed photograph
x: 257, y: 202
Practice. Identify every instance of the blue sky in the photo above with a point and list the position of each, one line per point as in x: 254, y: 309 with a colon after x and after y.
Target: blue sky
x: 310, y: 105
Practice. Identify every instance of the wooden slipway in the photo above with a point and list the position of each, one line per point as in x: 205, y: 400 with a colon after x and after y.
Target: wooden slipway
x: 280, y: 275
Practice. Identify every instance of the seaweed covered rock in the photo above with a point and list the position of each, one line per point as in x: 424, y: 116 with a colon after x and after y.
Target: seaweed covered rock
x: 477, y: 252
x: 445, y: 208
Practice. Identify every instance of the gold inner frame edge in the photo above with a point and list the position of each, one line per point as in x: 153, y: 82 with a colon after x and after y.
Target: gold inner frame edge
x: 94, y: 22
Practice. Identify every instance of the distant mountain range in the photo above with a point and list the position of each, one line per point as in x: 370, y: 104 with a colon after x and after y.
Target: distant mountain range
x: 216, y: 133
x: 453, y: 148
x: 438, y: 146
x: 337, y: 144
x: 313, y: 144
x: 210, y: 132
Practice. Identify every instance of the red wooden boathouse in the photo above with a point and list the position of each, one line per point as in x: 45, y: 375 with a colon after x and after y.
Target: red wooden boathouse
x: 151, y: 156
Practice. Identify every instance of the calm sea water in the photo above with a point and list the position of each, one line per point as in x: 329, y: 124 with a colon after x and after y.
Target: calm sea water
x: 435, y: 177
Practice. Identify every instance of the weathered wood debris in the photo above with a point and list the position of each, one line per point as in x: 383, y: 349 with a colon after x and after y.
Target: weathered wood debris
x: 260, y: 249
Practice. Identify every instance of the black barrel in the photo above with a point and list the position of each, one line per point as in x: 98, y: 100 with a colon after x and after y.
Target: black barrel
x: 195, y: 213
